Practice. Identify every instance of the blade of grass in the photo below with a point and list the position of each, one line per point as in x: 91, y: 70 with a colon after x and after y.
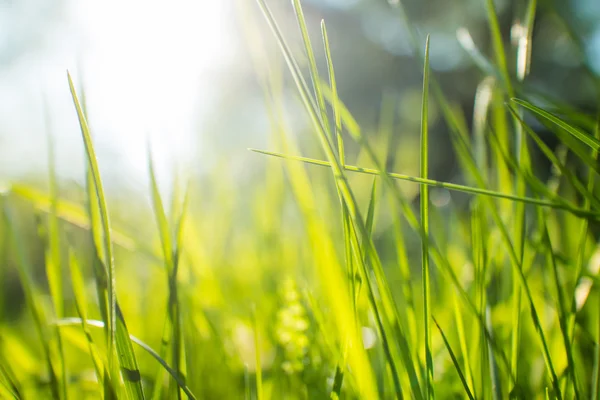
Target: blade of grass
x: 585, y: 138
x: 450, y: 186
x: 118, y: 337
x: 567, y: 173
x: 455, y: 362
x: 425, y: 268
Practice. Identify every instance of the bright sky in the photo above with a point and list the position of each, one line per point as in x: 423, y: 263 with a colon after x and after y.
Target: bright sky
x: 147, y: 67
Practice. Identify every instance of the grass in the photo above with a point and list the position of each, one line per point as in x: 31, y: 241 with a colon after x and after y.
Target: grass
x: 229, y: 296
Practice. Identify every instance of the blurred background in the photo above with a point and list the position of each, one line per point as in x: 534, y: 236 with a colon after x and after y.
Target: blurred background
x: 182, y: 79
x: 177, y: 74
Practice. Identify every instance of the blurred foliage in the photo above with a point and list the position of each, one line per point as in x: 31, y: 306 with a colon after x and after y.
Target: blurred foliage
x: 265, y: 264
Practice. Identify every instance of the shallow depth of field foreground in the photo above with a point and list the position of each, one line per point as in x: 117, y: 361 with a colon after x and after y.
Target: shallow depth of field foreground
x: 433, y: 248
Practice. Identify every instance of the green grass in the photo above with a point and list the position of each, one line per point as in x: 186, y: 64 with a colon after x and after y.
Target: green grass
x: 329, y: 282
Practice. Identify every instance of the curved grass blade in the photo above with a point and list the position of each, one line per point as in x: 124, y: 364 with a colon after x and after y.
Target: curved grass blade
x: 585, y: 138
x: 424, y: 167
x: 447, y: 185
x: 573, y: 180
x: 118, y: 337
x: 147, y: 348
x: 455, y: 362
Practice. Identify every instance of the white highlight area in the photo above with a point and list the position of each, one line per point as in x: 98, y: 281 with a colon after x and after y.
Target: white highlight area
x: 146, y: 64
x: 150, y: 70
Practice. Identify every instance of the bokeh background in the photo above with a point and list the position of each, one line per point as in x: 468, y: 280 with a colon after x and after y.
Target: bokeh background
x: 180, y: 79
x: 177, y: 74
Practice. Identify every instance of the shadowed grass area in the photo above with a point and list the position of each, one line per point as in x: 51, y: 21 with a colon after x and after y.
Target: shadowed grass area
x: 324, y: 282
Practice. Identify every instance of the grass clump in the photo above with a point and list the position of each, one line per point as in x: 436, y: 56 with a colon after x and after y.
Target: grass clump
x: 238, y: 299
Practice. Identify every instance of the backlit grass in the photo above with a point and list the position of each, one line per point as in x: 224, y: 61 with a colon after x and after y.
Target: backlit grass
x: 331, y: 282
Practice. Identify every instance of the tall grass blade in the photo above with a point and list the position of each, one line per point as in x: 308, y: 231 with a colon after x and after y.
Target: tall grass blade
x: 118, y: 337
x: 455, y: 362
x: 425, y: 268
